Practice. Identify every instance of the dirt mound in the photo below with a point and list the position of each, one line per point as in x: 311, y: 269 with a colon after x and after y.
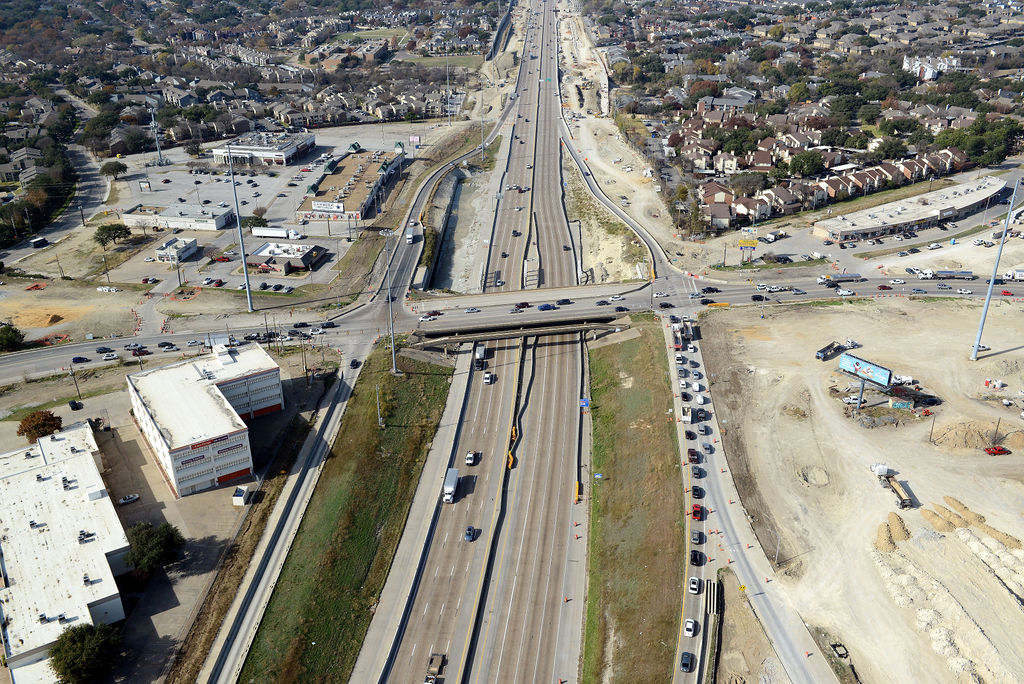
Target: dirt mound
x: 1008, y: 541
x: 883, y: 541
x: 814, y: 475
x: 954, y: 518
x: 897, y: 528
x: 54, y: 319
x: 1014, y: 440
x: 964, y: 436
x: 969, y: 515
x: 935, y: 520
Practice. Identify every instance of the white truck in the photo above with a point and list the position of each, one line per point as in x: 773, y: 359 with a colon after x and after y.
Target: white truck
x: 285, y: 233
x: 410, y: 235
x: 451, y: 483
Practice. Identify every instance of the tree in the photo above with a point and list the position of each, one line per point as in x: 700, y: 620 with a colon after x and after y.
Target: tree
x: 194, y: 149
x: 11, y: 338
x: 809, y: 163
x: 869, y: 113
x: 113, y: 169
x: 152, y: 547
x: 39, y: 424
x: 112, y: 232
x: 84, y: 653
x: 798, y: 92
x: 254, y: 222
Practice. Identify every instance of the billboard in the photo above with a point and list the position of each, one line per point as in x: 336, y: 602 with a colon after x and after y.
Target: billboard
x: 748, y: 243
x: 865, y: 370
x: 328, y: 206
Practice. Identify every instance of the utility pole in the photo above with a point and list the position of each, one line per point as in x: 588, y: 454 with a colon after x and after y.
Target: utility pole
x: 241, y: 238
x: 995, y: 273
x: 106, y: 271
x: 380, y: 418
x: 75, y: 380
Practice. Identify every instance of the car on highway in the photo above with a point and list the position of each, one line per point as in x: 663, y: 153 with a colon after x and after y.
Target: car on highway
x: 222, y: 259
x: 757, y: 298
x: 696, y: 557
x: 110, y: 356
x: 694, y: 585
x: 710, y: 290
x: 665, y: 305
x: 522, y: 305
x: 170, y: 348
x: 103, y: 350
x: 686, y: 662
x: 195, y: 343
x: 844, y: 293
x: 696, y: 537
x: 902, y: 254
x: 997, y: 451
x: 683, y: 396
x: 149, y: 260
x: 918, y: 290
x: 690, y: 627
x: 964, y: 291
x: 692, y: 456
x: 705, y: 301
x: 1006, y: 293
x: 897, y: 281
x: 563, y: 302
x: 546, y: 307
x: 657, y: 295
x: 470, y: 534
x: 141, y: 352
x: 127, y: 499
x: 601, y: 302
x: 317, y: 331
x: 79, y: 359
x: 798, y: 291
x: 944, y: 286
x: 697, y: 493
x: 690, y: 434
x: 515, y: 311
x: 300, y: 324
x: 489, y: 378
x: 707, y: 448
x: 426, y: 317
x: 472, y: 310
x: 884, y: 287
x: 616, y: 298
x: 621, y: 309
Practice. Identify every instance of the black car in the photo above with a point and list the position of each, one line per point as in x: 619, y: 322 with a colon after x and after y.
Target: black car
x: 831, y: 284
x: 328, y: 324
x: 251, y: 336
x: 79, y: 359
x: 263, y: 286
x: 563, y: 302
x: 757, y: 298
x: 277, y: 287
x: 686, y: 662
x: 697, y: 492
x: 354, y: 363
x: 601, y: 302
x: 684, y: 396
x: 470, y: 534
x: 103, y: 350
x: 300, y: 324
x: 620, y: 309
x: 665, y: 305
x: 673, y: 318
x: 165, y: 343
x: 710, y: 290
x: 690, y: 434
x: 516, y: 233
x: 707, y: 301
x: 696, y: 557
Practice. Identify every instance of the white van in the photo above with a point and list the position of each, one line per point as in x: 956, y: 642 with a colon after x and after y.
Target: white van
x: 700, y: 398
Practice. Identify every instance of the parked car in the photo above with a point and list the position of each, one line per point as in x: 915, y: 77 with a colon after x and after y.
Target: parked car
x: 127, y: 499
x: 997, y: 451
x: 222, y: 259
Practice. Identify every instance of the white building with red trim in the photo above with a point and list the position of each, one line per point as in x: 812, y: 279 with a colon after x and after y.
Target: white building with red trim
x: 192, y: 414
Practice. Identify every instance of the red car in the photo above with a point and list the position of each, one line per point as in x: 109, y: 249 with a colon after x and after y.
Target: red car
x: 218, y: 282
x: 884, y: 287
x: 1006, y: 293
x: 997, y: 451
x: 691, y: 456
x: 697, y: 512
x: 222, y: 259
x: 141, y: 352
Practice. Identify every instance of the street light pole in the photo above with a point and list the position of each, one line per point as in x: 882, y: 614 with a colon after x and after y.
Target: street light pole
x: 238, y: 222
x: 391, y: 318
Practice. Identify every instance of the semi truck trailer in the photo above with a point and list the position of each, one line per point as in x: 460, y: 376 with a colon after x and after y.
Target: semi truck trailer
x: 451, y: 483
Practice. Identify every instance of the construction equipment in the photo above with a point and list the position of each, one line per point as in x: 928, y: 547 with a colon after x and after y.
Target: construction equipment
x: 434, y: 667
x: 887, y: 480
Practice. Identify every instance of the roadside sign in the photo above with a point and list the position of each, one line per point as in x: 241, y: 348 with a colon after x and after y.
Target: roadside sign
x: 598, y: 476
x: 584, y: 402
x: 748, y: 243
x: 743, y: 587
x: 746, y: 249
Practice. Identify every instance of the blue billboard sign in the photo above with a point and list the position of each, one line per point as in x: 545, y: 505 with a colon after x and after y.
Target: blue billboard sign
x: 865, y: 370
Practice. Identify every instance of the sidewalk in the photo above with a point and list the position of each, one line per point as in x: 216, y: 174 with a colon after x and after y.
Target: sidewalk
x: 389, y: 613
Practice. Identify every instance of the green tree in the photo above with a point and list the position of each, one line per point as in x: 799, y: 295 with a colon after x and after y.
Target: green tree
x: 254, y: 222
x: 112, y: 232
x: 39, y: 424
x: 113, y: 169
x: 84, y: 653
x: 152, y: 547
x: 11, y: 338
x: 798, y: 92
x: 808, y: 163
x: 194, y: 149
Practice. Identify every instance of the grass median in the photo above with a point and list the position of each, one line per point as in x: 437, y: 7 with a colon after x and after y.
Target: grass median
x: 636, y: 520
x: 332, y: 579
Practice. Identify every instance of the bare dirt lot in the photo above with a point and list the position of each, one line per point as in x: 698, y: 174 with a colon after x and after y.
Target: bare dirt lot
x: 64, y: 307
x: 936, y: 597
x: 746, y: 654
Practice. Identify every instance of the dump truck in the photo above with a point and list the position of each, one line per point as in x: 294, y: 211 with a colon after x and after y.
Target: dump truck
x: 687, y: 415
x: 840, y: 278
x: 888, y: 480
x: 451, y: 483
x: 689, y: 334
x: 434, y: 667
x: 677, y: 342
x: 826, y: 352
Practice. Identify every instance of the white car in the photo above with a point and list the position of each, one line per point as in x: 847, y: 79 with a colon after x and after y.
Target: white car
x: 897, y: 281
x: 619, y: 298
x: 656, y: 295
x: 690, y: 628
x: 935, y: 245
x: 194, y: 343
x: 983, y: 347
x: 963, y: 290
x: 319, y: 331
x: 694, y: 585
x: 488, y: 378
x: 519, y: 208
x: 472, y: 309
x: 207, y: 281
x: 149, y: 260
x: 231, y: 253
x: 844, y: 293
x: 170, y: 348
x: 898, y: 238
x: 110, y: 356
x: 428, y: 317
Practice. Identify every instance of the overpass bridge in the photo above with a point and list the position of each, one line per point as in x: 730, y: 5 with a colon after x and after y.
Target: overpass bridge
x: 444, y: 336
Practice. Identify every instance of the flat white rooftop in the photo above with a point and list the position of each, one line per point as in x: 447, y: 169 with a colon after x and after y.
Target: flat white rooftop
x: 184, y: 399
x: 928, y: 205
x: 49, y: 498
x: 285, y: 249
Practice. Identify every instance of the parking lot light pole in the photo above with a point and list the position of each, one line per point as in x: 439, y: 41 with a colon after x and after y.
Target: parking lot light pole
x: 391, y: 318
x: 241, y: 239
x: 995, y: 274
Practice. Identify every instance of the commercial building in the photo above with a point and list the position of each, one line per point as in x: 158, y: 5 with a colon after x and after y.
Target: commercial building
x: 271, y: 149
x: 176, y: 250
x: 913, y: 213
x: 191, y: 413
x: 281, y: 257
x: 352, y: 187
x: 61, y: 548
x: 181, y: 217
